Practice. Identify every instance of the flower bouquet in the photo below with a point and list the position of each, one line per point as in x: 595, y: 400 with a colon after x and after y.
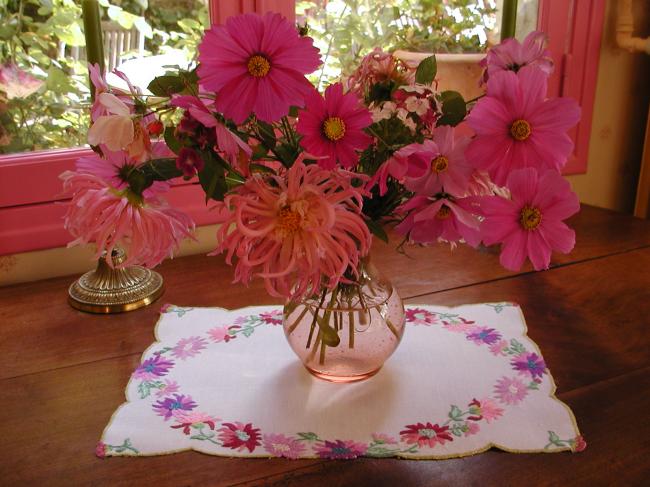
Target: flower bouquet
x: 302, y: 180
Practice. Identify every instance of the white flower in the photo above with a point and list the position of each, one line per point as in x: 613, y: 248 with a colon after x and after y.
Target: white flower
x: 384, y: 112
x: 420, y: 106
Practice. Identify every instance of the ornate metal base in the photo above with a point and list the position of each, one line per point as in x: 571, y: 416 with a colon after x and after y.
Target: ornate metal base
x: 112, y: 290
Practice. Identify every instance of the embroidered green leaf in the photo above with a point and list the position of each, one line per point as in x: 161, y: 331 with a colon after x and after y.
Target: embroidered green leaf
x: 455, y: 414
x: 308, y: 436
x: 380, y: 452
x: 516, y: 346
x: 248, y: 331
x: 533, y: 386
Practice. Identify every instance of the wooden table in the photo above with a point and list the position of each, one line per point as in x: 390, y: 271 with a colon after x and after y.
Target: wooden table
x: 63, y: 372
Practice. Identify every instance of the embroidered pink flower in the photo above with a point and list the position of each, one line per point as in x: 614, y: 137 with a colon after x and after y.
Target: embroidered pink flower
x: 221, y: 334
x: 187, y: 420
x: 169, y: 387
x: 239, y: 436
x: 145, y: 226
x: 446, y: 169
x: 169, y: 406
x: 461, y: 325
x: 510, y: 391
x: 419, y: 316
x: 153, y: 368
x: 101, y: 450
x: 499, y: 348
x: 426, y: 434
x: 165, y: 308
x: 384, y: 439
x: 188, y: 347
x: 489, y: 410
x: 283, y: 446
x: 431, y: 220
x: 517, y: 127
x: 333, y: 127
x: 272, y: 317
x: 471, y: 429
x: 340, y: 449
x: 484, y: 335
x: 529, y: 363
x: 257, y: 64
x: 296, y: 231
x: 511, y: 55
x: 578, y: 444
x: 17, y: 83
x: 530, y: 224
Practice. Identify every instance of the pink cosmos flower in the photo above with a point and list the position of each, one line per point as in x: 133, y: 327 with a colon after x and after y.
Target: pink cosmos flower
x: 227, y: 141
x: 426, y: 435
x: 517, y: 127
x: 297, y: 230
x: 257, y: 64
x: 430, y: 220
x: 147, y: 227
x: 221, y: 334
x: 168, y: 388
x: 510, y: 391
x: 188, y: 347
x: 17, y: 83
x: 239, y: 436
x: 115, y: 167
x: 383, y: 438
x: 446, y: 168
x: 511, y: 55
x: 188, y: 419
x: 283, y: 446
x: 340, y: 449
x: 412, y: 161
x: 530, y: 224
x: 332, y: 127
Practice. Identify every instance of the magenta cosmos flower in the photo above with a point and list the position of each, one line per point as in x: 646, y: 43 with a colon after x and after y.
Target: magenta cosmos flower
x: 512, y: 55
x: 517, y: 127
x: 332, y: 127
x: 296, y: 231
x: 530, y: 223
x: 446, y: 169
x: 239, y: 436
x: 430, y: 220
x: 426, y: 435
x: 257, y: 64
x: 145, y: 226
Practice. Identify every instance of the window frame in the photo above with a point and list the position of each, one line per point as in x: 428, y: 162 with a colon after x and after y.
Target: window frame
x: 30, y: 190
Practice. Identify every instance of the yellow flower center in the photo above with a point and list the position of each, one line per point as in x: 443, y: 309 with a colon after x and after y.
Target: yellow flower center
x: 439, y: 164
x: 258, y: 66
x: 334, y: 128
x: 520, y: 130
x: 530, y: 217
x: 289, y: 221
x: 443, y: 213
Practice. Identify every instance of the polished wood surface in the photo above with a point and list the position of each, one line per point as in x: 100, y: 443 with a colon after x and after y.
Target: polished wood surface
x: 63, y: 372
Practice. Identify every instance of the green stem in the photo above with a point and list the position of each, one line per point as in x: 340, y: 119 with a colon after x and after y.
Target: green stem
x: 508, y: 19
x: 351, y: 329
x: 298, y: 320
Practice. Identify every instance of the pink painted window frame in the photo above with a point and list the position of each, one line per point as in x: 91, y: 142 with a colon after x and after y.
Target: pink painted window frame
x: 30, y: 209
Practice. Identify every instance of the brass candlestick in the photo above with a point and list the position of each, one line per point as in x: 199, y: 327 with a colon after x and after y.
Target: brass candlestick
x: 113, y: 290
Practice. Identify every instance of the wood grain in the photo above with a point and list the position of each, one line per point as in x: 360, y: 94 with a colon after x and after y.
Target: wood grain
x: 63, y: 372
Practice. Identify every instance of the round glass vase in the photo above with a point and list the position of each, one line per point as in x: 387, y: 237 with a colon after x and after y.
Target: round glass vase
x: 346, y: 334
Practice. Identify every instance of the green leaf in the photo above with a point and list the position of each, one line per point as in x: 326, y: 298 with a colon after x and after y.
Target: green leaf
x: 162, y: 169
x: 58, y: 81
x: 426, y: 71
x: 213, y: 181
x: 308, y: 436
x: 454, y: 108
x: 268, y: 134
x: 166, y: 85
x: 456, y: 414
x: 377, y: 230
x: 172, y: 142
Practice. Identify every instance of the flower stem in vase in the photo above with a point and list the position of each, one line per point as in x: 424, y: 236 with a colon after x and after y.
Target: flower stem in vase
x: 350, y: 328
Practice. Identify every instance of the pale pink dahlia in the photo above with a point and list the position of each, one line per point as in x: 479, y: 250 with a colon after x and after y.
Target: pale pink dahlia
x: 517, y: 127
x: 530, y: 224
x: 379, y: 67
x: 147, y: 227
x: 430, y: 220
x: 257, y: 64
x: 446, y: 168
x: 296, y: 231
x: 332, y: 127
x: 512, y: 55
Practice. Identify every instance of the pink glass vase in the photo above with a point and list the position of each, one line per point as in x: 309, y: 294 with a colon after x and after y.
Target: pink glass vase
x: 346, y: 335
